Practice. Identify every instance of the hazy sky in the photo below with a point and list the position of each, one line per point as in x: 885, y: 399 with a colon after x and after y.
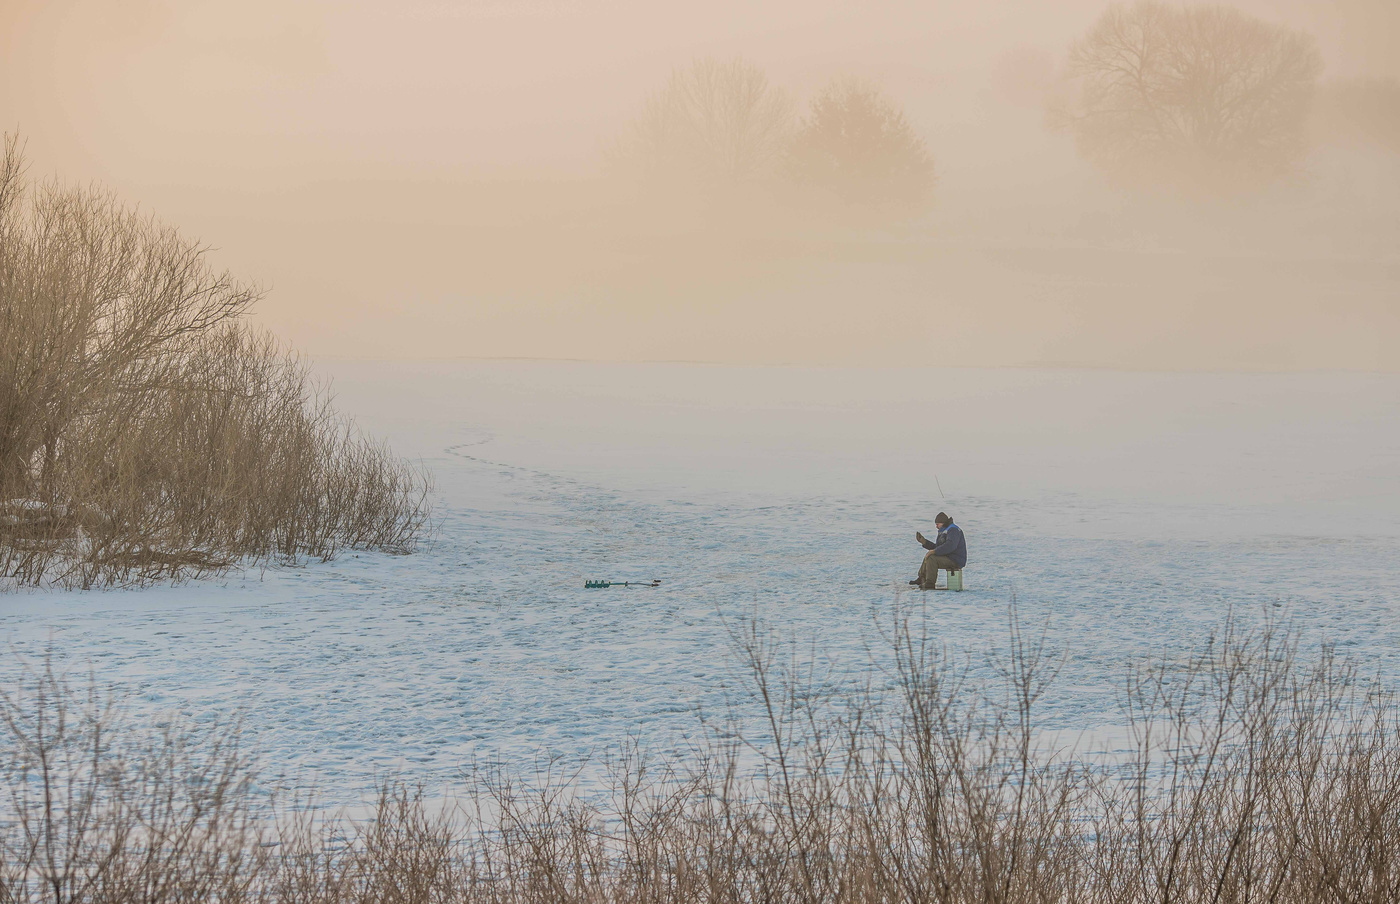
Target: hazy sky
x: 128, y: 88
x: 303, y: 139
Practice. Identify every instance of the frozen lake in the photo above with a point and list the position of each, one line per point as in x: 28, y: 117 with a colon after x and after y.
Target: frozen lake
x: 1126, y: 511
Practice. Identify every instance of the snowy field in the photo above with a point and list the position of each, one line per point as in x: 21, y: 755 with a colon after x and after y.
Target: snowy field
x: 1126, y: 512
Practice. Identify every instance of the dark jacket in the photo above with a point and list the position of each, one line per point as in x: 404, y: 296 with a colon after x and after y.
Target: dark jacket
x: 950, y: 543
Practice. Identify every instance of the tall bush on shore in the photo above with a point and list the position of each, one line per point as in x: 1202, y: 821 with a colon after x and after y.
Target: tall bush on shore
x: 147, y: 431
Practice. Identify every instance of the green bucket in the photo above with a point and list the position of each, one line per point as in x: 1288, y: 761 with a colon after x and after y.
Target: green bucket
x: 955, y: 580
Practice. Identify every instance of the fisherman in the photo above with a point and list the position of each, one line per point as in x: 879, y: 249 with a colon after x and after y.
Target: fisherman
x: 948, y: 551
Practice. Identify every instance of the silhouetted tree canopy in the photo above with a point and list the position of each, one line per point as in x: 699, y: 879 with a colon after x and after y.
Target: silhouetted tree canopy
x: 720, y: 121
x: 1205, y: 95
x: 857, y: 145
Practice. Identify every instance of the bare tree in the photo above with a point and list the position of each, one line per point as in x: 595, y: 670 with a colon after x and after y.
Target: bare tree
x: 95, y: 299
x: 720, y: 122
x: 1201, y: 95
x: 857, y: 145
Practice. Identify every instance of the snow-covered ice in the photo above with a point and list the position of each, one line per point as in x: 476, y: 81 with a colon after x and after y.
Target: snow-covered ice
x: 1126, y: 511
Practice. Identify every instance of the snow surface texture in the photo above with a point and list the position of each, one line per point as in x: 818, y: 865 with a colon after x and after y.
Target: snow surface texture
x: 1125, y: 511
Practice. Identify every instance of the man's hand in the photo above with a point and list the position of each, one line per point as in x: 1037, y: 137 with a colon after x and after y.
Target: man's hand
x: 919, y: 535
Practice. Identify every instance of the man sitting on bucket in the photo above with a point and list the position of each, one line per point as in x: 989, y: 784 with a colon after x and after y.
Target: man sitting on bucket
x: 948, y: 552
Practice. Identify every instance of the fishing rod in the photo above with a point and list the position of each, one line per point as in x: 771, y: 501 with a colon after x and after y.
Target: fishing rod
x: 601, y: 585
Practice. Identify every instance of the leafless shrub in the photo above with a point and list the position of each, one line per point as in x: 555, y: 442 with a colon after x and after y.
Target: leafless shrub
x: 1249, y: 775
x: 95, y: 810
x: 1205, y: 97
x: 148, y: 433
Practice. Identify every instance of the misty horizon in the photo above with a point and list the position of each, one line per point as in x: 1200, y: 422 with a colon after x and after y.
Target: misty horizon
x: 434, y: 181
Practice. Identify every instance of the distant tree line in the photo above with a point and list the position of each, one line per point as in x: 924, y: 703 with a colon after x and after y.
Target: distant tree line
x: 147, y: 431
x: 721, y: 126
x: 1203, y: 98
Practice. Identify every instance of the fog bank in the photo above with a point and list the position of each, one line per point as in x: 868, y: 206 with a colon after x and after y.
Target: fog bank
x: 438, y: 179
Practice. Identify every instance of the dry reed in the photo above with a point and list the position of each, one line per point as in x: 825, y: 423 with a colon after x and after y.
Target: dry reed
x: 1250, y: 775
